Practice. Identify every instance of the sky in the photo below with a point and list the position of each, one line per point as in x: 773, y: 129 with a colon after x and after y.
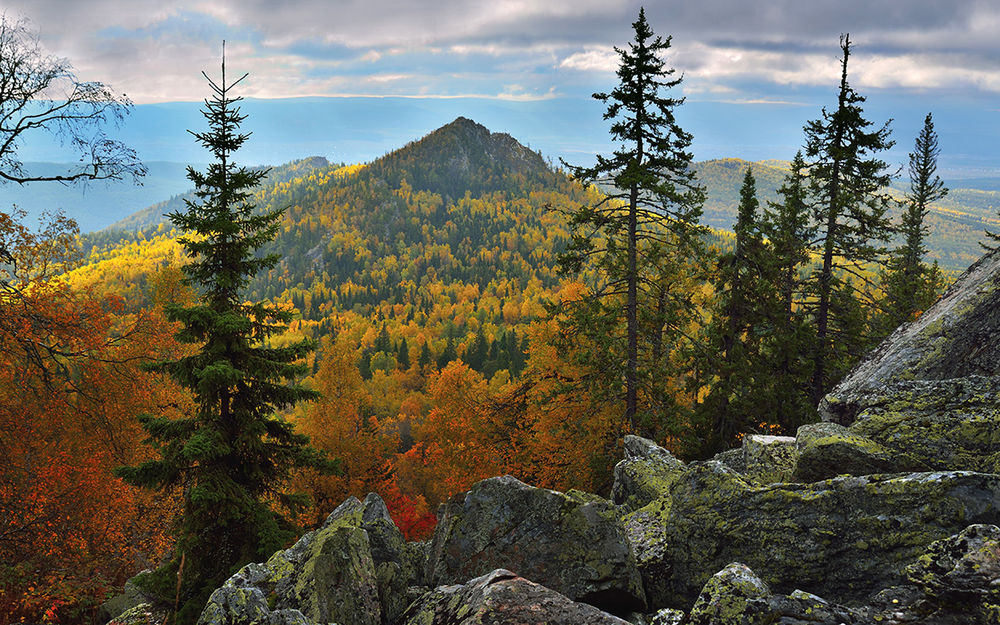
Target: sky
x: 380, y: 72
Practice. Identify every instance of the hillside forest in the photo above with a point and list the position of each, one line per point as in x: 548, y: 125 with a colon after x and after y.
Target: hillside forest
x: 457, y: 309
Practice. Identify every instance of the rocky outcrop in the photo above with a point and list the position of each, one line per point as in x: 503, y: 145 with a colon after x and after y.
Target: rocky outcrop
x: 354, y: 570
x: 943, y: 424
x: 826, y: 450
x: 131, y: 596
x: 953, y: 583
x: 959, y: 336
x: 725, y: 549
x: 502, y: 598
x: 920, y: 425
x: 762, y: 459
x: 733, y: 595
x: 645, y: 474
x: 961, y: 573
x: 570, y: 542
x: 843, y: 537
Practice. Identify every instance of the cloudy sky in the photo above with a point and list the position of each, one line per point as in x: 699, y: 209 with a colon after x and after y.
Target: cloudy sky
x: 748, y: 65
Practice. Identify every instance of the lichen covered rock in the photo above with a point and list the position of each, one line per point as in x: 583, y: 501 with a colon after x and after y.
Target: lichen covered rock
x: 240, y: 601
x: 140, y: 614
x: 353, y: 570
x: 645, y: 474
x: 667, y: 616
x: 962, y: 572
x: 570, y: 542
x: 337, y: 582
x: 842, y: 538
x: 945, y: 424
x: 768, y: 459
x: 733, y: 596
x: 803, y: 608
x: 130, y: 597
x: 827, y: 450
x: 502, y: 598
x: 958, y: 336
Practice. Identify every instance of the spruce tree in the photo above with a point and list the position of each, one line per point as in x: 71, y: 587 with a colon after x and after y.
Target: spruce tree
x: 787, y: 347
x: 403, y: 355
x: 740, y: 318
x: 847, y: 182
x: 425, y: 358
x: 232, y: 456
x: 650, y: 214
x: 911, y: 285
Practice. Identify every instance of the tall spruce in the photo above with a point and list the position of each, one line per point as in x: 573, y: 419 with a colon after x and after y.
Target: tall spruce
x: 647, y: 221
x: 788, y: 346
x: 910, y: 284
x: 740, y: 319
x: 232, y: 456
x: 847, y: 182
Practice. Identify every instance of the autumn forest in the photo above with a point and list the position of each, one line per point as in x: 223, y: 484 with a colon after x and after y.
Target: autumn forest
x: 457, y: 309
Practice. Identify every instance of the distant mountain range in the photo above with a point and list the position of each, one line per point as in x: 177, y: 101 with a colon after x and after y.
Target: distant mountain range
x: 956, y: 224
x: 447, y: 242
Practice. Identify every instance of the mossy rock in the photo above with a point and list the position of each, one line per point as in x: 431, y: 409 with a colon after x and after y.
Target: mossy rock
x: 572, y: 542
x: 733, y: 596
x: 645, y: 474
x: 240, y: 601
x: 668, y: 616
x: 141, y: 614
x: 961, y: 570
x: 949, y: 424
x: 502, y: 598
x: 827, y: 450
x: 842, y: 538
x: 768, y: 459
x: 338, y: 582
x: 130, y: 597
x: 958, y: 336
x: 355, y: 569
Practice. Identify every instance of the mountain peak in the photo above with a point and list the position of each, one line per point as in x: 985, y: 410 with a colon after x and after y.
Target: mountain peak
x: 461, y: 156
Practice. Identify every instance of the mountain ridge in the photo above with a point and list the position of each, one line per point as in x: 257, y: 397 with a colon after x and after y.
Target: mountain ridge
x: 464, y: 156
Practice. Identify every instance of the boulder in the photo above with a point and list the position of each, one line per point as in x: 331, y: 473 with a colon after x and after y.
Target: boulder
x: 141, y: 614
x: 803, y: 608
x: 240, y: 601
x: 645, y: 474
x: 827, y: 450
x: 130, y: 597
x: 943, y: 424
x: 353, y: 570
x: 733, y: 596
x: 953, y: 583
x: 502, y: 598
x: 667, y: 616
x: 768, y: 459
x: 842, y: 538
x: 762, y: 459
x: 957, y: 337
x: 732, y: 458
x: 570, y: 542
x: 961, y: 573
x: 337, y: 581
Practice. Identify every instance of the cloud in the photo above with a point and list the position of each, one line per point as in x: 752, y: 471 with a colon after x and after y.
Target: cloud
x: 448, y: 48
x: 592, y: 60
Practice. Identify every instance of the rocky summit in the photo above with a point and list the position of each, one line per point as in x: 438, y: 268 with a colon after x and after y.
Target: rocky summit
x: 958, y: 336
x: 886, y: 513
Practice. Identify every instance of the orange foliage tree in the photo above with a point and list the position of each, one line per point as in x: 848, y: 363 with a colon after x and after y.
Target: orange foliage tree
x: 69, y: 385
x: 339, y: 423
